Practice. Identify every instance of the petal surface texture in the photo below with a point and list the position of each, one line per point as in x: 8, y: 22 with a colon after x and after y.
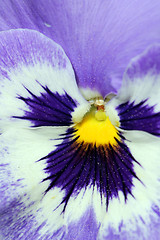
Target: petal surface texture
x: 138, y: 109
x: 99, y: 37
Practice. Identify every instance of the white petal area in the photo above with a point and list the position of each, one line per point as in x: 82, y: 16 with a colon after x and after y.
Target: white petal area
x: 78, y: 204
x: 142, y: 88
x: 134, y: 219
x: 137, y: 105
x: 141, y: 80
x: 22, y: 191
x: 30, y: 61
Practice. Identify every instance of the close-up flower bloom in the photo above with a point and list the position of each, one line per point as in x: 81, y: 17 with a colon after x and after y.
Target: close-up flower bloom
x: 79, y: 120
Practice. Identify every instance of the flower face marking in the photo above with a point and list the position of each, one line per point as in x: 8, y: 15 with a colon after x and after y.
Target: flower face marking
x: 92, y: 154
x: 74, y: 166
x: 139, y: 116
x: 49, y: 109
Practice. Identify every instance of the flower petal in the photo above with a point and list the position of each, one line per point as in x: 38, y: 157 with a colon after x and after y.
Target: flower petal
x: 139, y: 216
x: 24, y: 205
x: 99, y: 37
x: 87, y: 228
x: 25, y: 212
x: 137, y: 103
x: 37, y: 81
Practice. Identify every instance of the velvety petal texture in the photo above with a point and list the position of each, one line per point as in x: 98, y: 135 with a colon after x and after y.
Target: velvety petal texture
x: 99, y: 37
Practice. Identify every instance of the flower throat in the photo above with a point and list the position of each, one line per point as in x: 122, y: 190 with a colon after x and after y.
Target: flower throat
x: 96, y: 127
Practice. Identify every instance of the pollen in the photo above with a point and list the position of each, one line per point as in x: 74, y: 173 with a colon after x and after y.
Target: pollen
x: 96, y: 127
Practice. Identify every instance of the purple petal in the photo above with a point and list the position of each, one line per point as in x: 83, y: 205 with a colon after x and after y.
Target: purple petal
x: 99, y: 37
x: 138, y: 101
x: 86, y: 228
x: 37, y: 84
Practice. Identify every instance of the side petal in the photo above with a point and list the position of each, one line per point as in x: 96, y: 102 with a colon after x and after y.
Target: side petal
x: 99, y: 37
x: 37, y: 81
x: 137, y: 103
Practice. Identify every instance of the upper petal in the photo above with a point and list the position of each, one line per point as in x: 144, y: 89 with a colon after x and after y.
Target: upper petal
x: 99, y: 37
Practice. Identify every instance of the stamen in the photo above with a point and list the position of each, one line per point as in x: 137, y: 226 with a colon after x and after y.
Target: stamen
x: 100, y: 114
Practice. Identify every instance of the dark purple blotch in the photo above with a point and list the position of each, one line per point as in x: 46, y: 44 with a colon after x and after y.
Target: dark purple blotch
x: 74, y: 165
x: 139, y: 116
x: 49, y: 109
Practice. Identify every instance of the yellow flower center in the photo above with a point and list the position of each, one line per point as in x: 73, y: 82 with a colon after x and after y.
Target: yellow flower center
x: 96, y: 128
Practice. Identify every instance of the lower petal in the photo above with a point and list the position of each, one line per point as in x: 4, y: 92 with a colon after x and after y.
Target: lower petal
x: 26, y: 210
x: 139, y: 216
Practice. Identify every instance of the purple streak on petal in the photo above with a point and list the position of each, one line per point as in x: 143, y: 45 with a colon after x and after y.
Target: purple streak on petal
x: 99, y: 37
x: 49, y: 109
x: 18, y: 222
x: 12, y: 209
x: 156, y: 209
x: 16, y: 218
x: 139, y: 117
x: 12, y: 226
x: 73, y: 166
x: 123, y: 233
x: 86, y: 228
x: 148, y: 63
x: 26, y: 47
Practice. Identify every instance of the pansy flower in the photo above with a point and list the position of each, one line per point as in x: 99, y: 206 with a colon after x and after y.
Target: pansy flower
x: 79, y: 120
